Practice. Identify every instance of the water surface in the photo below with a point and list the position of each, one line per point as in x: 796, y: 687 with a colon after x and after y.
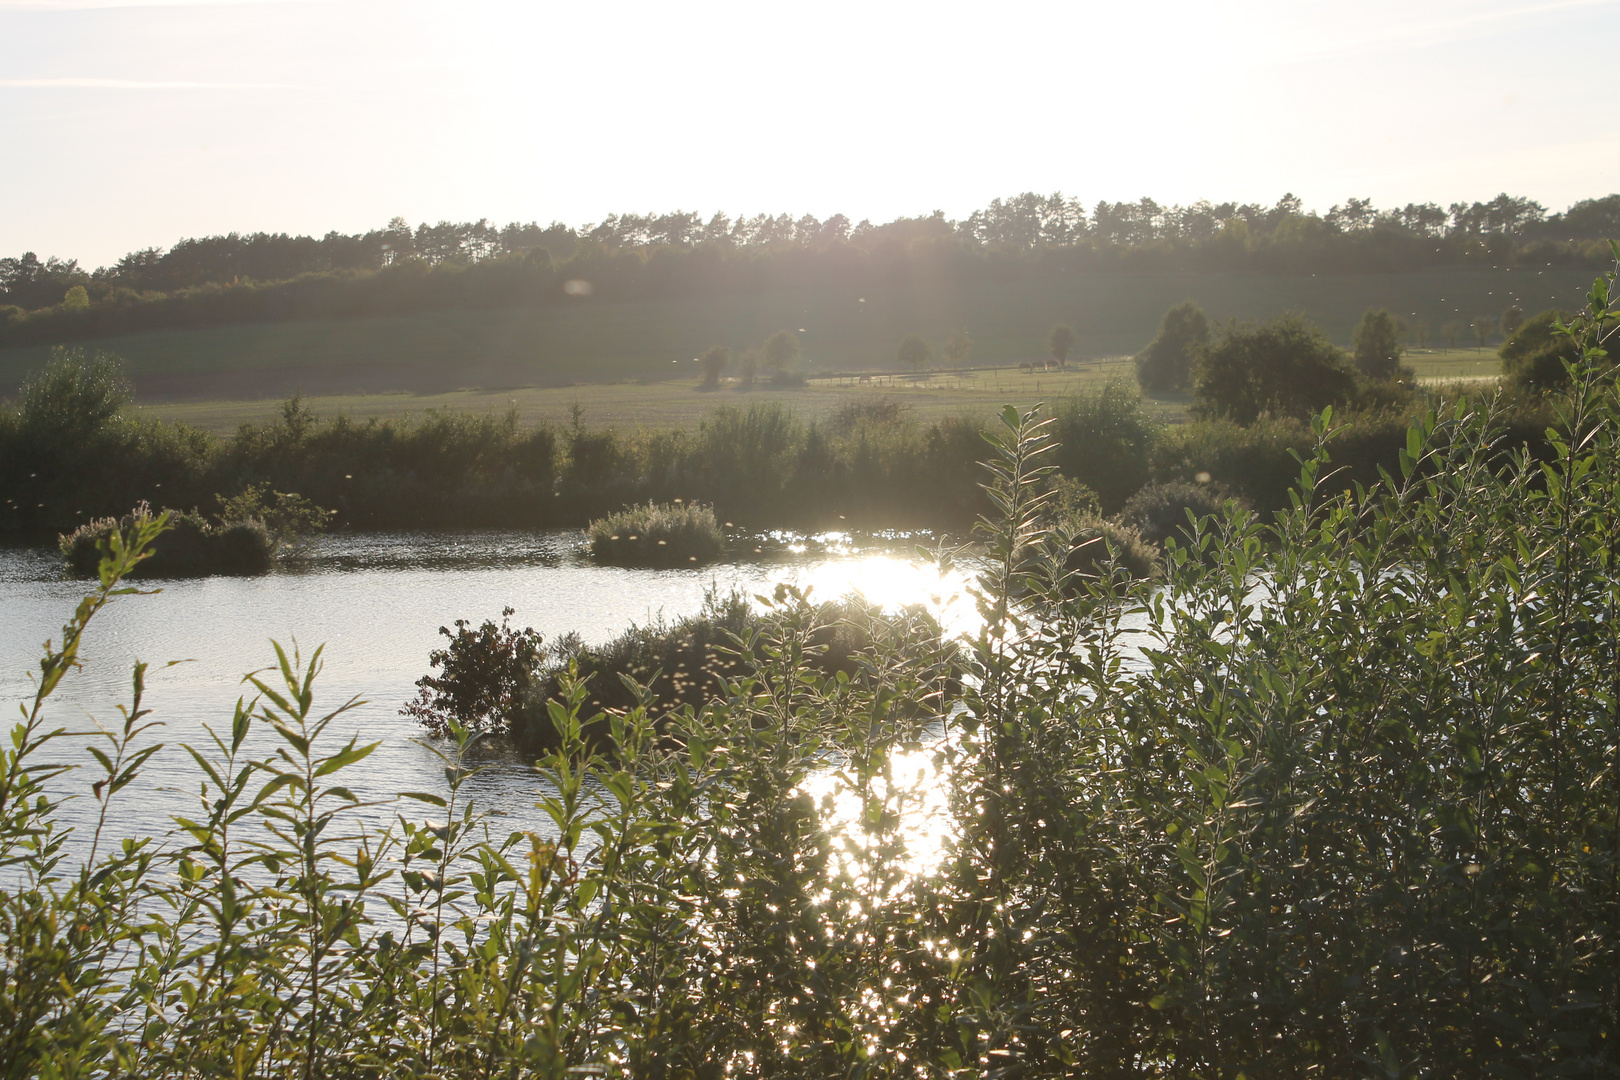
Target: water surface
x: 376, y: 603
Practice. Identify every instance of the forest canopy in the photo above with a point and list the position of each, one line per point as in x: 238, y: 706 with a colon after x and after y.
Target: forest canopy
x: 1028, y: 222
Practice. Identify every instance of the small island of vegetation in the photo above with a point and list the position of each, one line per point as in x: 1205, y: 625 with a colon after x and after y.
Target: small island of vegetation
x: 653, y: 534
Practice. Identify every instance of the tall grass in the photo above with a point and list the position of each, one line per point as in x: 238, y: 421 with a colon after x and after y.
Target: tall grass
x: 654, y: 534
x: 1338, y: 795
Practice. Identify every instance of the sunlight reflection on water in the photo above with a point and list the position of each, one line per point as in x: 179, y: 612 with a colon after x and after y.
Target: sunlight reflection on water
x: 914, y: 792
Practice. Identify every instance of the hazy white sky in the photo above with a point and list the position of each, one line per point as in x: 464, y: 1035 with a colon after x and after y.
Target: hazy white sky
x: 127, y: 124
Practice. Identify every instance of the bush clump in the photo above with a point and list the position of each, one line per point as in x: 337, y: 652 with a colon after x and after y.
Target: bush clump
x: 657, y: 534
x: 1533, y: 357
x: 1166, y: 365
x: 1098, y: 546
x: 1105, y: 440
x: 192, y: 546
x: 498, y: 679
x: 1287, y: 367
x: 485, y: 673
x: 1159, y: 511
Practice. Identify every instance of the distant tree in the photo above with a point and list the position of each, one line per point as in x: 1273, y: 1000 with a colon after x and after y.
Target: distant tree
x: 1167, y: 363
x: 1593, y: 219
x: 748, y: 369
x: 28, y: 283
x: 1286, y: 366
x: 76, y: 299
x: 1061, y: 342
x: 1377, y: 343
x: 1512, y: 319
x: 958, y: 347
x: 913, y: 351
x: 1482, y: 327
x: 1420, y: 334
x: 714, y: 364
x: 1452, y: 332
x: 781, y: 351
x: 72, y: 400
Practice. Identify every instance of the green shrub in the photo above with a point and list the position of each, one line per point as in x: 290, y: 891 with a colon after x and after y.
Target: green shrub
x: 1166, y: 365
x: 1286, y: 367
x: 485, y: 675
x: 1105, y: 440
x: 697, y: 659
x: 1377, y: 344
x: 1534, y: 356
x: 286, y: 516
x: 72, y: 399
x: 1099, y: 547
x: 1160, y: 511
x: 1258, y: 461
x: 498, y: 679
x: 1096, y: 546
x: 852, y: 415
x: 72, y: 453
x: 657, y: 535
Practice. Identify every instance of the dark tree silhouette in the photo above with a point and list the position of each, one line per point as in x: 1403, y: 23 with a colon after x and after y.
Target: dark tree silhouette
x: 1061, y: 342
x: 1166, y: 364
x: 1377, y: 342
x: 913, y: 351
x: 1287, y: 367
x: 714, y: 364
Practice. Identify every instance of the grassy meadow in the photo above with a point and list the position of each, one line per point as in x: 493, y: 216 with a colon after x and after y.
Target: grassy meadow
x: 437, y: 355
x: 679, y: 404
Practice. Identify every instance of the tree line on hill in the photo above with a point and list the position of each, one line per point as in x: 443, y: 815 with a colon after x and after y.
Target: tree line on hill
x: 265, y: 276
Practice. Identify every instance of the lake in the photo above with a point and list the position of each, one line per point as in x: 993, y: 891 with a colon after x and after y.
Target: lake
x: 376, y: 602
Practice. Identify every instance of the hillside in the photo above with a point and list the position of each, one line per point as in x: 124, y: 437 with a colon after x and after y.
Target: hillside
x: 655, y: 339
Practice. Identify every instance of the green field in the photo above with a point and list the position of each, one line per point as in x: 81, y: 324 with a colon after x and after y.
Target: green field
x: 680, y: 404
x: 434, y: 354
x: 1455, y: 365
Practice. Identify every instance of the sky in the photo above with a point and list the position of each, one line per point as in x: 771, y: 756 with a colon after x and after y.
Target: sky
x: 127, y: 124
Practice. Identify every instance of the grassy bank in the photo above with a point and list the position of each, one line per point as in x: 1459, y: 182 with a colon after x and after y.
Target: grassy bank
x: 681, y: 404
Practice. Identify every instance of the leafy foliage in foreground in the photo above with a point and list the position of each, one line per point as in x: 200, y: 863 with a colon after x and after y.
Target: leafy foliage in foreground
x: 1338, y: 795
